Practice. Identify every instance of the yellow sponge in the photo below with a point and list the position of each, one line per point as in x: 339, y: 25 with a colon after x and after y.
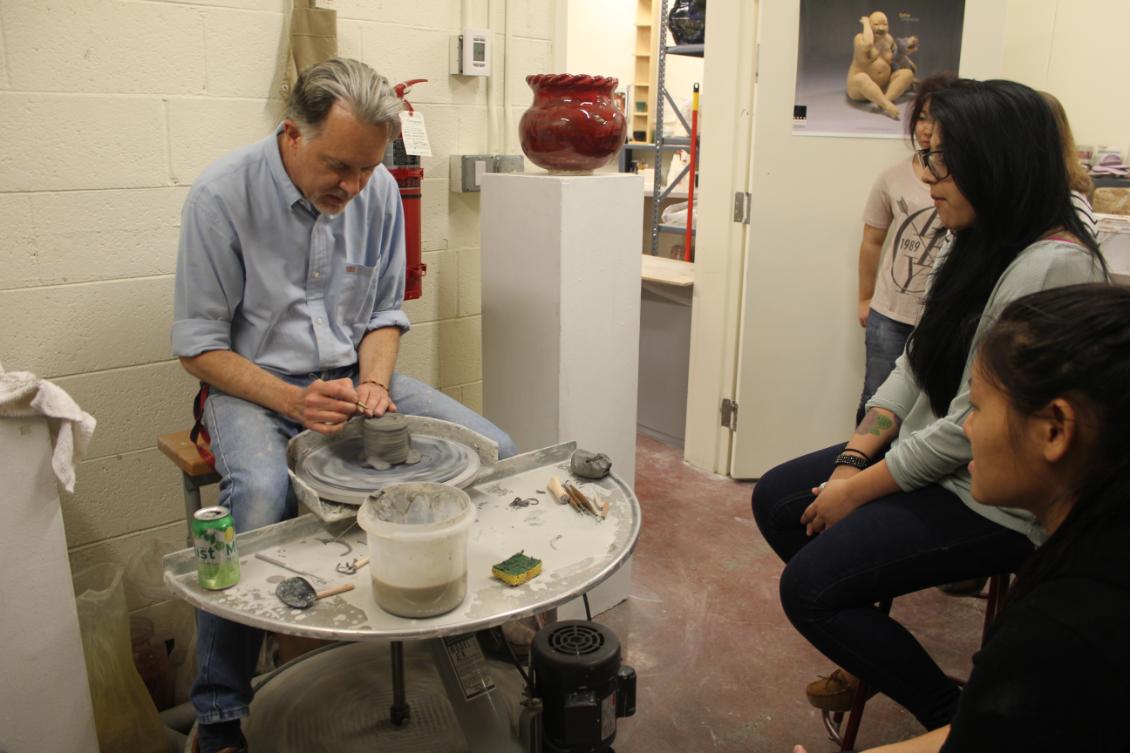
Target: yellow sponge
x: 517, y: 569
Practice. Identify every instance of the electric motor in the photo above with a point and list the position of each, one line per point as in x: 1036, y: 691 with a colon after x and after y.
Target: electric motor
x: 576, y: 673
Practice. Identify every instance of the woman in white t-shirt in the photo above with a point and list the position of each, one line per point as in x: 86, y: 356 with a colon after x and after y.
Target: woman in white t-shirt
x: 1082, y: 187
x: 901, y: 237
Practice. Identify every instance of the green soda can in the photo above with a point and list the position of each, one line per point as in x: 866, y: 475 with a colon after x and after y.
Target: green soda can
x: 213, y: 537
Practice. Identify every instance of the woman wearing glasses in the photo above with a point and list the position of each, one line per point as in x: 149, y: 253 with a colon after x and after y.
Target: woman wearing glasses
x: 901, y: 237
x: 890, y: 511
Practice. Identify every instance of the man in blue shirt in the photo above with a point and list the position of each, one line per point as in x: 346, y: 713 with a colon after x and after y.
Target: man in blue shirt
x: 290, y: 279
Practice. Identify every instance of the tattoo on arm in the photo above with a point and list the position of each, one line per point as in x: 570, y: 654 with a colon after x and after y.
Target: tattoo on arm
x: 875, y: 423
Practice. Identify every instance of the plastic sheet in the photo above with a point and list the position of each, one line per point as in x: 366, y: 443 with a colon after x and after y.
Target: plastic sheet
x: 145, y: 586
x: 124, y: 714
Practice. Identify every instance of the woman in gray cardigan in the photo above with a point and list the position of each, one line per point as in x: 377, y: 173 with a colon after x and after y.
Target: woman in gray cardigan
x: 890, y: 512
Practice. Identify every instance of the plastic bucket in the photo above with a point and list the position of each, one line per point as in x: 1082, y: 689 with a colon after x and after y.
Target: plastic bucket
x: 417, y: 536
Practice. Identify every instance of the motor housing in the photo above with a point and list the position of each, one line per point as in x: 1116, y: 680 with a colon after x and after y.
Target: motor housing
x: 583, y: 688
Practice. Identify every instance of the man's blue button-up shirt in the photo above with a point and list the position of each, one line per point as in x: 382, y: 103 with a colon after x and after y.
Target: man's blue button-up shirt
x: 262, y: 273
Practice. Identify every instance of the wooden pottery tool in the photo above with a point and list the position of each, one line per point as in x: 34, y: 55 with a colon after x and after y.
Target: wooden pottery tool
x: 298, y: 593
x: 583, y: 503
x: 348, y: 568
x: 554, y: 488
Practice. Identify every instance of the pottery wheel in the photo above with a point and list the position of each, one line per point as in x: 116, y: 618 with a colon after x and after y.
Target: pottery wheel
x: 336, y: 470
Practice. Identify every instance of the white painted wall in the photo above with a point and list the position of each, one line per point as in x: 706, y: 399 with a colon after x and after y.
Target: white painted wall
x: 599, y: 38
x: 1065, y: 47
x: 110, y: 109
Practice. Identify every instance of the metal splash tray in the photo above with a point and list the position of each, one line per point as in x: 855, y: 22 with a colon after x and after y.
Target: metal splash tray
x: 578, y: 552
x: 453, y: 454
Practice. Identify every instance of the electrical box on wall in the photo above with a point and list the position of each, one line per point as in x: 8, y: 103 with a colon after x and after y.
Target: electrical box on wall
x: 467, y: 170
x: 470, y: 53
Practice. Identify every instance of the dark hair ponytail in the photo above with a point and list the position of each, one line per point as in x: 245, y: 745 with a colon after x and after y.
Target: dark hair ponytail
x: 1002, y: 147
x: 1071, y: 342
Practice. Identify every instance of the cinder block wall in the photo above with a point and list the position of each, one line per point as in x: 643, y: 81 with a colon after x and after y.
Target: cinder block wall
x: 109, y: 110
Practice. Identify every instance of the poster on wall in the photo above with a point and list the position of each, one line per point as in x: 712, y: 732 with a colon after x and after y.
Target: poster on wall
x: 859, y: 62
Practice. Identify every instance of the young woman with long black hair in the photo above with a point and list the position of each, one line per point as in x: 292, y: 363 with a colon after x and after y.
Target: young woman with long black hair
x: 890, y: 511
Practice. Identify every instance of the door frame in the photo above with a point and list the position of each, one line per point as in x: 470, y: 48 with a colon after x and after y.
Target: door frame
x: 729, y: 77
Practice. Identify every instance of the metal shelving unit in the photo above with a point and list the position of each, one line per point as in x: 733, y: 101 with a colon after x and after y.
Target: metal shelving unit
x: 665, y: 143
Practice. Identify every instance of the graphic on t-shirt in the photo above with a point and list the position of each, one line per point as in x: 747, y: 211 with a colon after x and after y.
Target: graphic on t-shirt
x: 916, y: 244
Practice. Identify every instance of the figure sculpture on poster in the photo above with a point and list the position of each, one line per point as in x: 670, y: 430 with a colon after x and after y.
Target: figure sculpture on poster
x: 891, y: 49
x: 871, y: 77
x: 904, y: 48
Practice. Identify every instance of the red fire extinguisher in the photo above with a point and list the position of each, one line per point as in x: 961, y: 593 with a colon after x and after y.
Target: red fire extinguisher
x: 409, y: 175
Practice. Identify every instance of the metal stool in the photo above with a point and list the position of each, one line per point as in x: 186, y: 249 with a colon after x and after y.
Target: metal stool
x: 195, y: 472
x: 843, y: 735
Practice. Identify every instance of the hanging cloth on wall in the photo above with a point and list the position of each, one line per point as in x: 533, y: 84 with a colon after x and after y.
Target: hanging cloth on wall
x: 313, y: 38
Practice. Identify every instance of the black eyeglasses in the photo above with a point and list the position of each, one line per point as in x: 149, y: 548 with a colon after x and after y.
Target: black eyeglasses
x: 934, y: 160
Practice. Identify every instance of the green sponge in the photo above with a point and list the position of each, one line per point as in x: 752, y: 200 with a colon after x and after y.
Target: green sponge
x: 517, y: 569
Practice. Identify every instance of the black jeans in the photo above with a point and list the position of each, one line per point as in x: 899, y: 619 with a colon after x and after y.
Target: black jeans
x: 894, y: 545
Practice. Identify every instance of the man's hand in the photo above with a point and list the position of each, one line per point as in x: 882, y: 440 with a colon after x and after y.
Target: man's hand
x: 833, y: 503
x: 864, y: 310
x: 324, y: 407
x: 375, y: 398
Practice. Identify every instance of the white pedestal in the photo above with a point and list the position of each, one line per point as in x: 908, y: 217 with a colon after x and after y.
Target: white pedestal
x: 561, y: 319
x: 561, y: 310
x: 44, y: 697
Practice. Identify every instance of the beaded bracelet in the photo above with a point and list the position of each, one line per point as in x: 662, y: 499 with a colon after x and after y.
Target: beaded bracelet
x: 853, y: 460
x: 861, y: 453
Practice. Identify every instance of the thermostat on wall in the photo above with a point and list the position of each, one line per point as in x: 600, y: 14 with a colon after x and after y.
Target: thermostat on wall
x: 470, y: 53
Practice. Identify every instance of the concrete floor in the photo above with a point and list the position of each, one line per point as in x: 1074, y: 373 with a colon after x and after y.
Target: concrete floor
x: 719, y: 667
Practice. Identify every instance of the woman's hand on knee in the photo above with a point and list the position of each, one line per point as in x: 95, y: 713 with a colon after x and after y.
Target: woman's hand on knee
x: 834, y: 502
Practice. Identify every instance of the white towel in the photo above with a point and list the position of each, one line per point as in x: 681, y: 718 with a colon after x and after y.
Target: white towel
x: 23, y: 394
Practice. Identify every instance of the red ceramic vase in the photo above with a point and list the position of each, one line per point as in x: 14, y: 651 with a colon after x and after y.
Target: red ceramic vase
x: 573, y: 125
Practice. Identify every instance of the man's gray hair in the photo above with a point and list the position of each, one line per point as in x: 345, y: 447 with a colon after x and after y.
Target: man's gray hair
x: 366, y: 93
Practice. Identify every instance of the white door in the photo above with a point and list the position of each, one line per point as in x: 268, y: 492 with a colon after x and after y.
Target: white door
x: 720, y: 242
x: 800, y: 351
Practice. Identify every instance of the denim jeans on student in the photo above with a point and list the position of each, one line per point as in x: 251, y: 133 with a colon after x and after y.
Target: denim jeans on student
x: 249, y: 442
x: 894, y: 545
x: 885, y: 340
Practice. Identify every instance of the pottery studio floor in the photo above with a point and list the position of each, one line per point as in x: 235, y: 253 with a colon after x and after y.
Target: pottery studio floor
x: 719, y: 666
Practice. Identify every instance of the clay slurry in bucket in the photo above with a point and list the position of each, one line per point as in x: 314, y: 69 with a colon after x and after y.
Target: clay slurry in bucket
x: 417, y: 535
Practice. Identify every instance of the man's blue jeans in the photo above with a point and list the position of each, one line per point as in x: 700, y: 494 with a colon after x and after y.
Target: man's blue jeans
x: 885, y: 339
x: 894, y: 545
x: 249, y: 442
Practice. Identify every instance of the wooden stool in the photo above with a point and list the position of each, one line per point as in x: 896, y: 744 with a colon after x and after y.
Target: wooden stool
x: 834, y: 720
x: 195, y: 473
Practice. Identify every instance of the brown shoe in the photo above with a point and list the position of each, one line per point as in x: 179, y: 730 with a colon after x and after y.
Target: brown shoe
x: 834, y: 692
x: 971, y: 587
